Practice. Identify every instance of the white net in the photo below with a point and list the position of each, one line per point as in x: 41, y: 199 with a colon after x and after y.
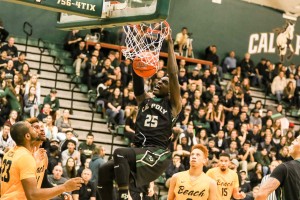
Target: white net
x: 144, y: 38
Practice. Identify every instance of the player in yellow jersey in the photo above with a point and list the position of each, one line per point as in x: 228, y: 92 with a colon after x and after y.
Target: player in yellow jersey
x: 18, y: 181
x: 227, y: 180
x: 193, y: 184
x: 40, y: 154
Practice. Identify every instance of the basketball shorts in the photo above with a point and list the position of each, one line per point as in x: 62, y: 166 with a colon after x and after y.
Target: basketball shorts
x: 151, y: 162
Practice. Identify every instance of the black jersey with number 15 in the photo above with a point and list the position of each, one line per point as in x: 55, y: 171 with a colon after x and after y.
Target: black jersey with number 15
x: 154, y: 123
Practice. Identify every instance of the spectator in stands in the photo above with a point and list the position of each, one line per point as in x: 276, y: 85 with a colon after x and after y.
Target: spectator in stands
x: 220, y: 141
x: 213, y: 151
x: 6, y: 142
x: 80, y: 58
x: 3, y: 59
x: 45, y: 113
x: 71, y: 152
x: 216, y: 76
x: 255, y: 119
x: 25, y: 71
x: 246, y: 157
x: 232, y: 149
x: 247, y: 67
x: 88, y: 189
x: 230, y: 63
x: 103, y: 93
x: 30, y: 101
x: 206, y: 79
x: 11, y: 96
x: 2, y: 75
x: 100, y: 55
x: 93, y: 73
x: 9, y: 70
x: 96, y: 162
x: 114, y: 58
x: 195, y: 77
x: 231, y: 84
x: 69, y: 170
x: 289, y: 94
x: 64, y: 123
x: 182, y: 41
x: 19, y: 84
x: 4, y: 111
x: 130, y: 121
x: 72, y: 40
x: 126, y: 70
x: 227, y: 102
x: 53, y: 101
x: 56, y: 179
x: 208, y: 95
x: 107, y: 70
x: 174, y: 167
x: 284, y: 155
x: 245, y: 186
x: 50, y: 130
x: 211, y: 54
x: 3, y: 33
x: 20, y: 62
x: 114, y: 109
x: 263, y: 158
x: 200, y: 121
x: 278, y: 85
x: 245, y: 86
x: 130, y: 100
x: 228, y: 128
x: 68, y: 136
x: 86, y: 148
x: 54, y: 156
x: 13, y: 118
x: 183, y: 80
x: 86, y: 165
x: 11, y: 49
x: 34, y: 82
x: 256, y: 175
x: 202, y: 137
x: 189, y: 133
x: 260, y: 71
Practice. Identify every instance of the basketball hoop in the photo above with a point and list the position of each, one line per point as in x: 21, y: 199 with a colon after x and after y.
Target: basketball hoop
x: 144, y: 38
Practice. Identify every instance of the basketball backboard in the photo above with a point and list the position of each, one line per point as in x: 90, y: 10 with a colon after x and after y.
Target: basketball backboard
x: 119, y: 13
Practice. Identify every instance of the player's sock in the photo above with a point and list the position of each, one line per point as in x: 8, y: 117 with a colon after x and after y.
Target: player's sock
x: 121, y: 168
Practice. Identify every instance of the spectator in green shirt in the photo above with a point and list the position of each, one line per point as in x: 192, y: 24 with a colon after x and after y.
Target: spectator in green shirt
x: 53, y: 101
x: 11, y: 96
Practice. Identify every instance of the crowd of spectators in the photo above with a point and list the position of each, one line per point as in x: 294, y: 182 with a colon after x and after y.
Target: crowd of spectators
x: 217, y: 113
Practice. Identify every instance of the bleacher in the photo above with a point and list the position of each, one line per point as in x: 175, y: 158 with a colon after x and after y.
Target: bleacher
x: 81, y: 117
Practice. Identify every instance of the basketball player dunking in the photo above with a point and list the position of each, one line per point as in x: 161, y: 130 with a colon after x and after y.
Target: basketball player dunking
x: 156, y: 116
x: 193, y: 184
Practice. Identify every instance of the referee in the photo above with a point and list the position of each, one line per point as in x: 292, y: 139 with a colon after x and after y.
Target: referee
x: 286, y: 176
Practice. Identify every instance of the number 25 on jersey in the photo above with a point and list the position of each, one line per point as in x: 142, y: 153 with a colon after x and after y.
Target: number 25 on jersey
x: 151, y: 121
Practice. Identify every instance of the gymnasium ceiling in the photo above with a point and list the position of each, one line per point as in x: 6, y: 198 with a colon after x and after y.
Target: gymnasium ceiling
x: 290, y: 7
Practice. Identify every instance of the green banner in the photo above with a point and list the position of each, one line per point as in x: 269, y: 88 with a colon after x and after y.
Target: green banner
x: 87, y: 8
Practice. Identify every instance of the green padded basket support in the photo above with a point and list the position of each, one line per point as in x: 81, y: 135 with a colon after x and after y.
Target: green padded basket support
x: 83, y: 88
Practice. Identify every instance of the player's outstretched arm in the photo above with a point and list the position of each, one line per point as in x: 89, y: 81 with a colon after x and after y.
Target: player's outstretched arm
x: 138, y: 88
x: 267, y: 188
x: 171, y: 194
x: 174, y: 86
x: 32, y: 193
x: 212, y: 190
